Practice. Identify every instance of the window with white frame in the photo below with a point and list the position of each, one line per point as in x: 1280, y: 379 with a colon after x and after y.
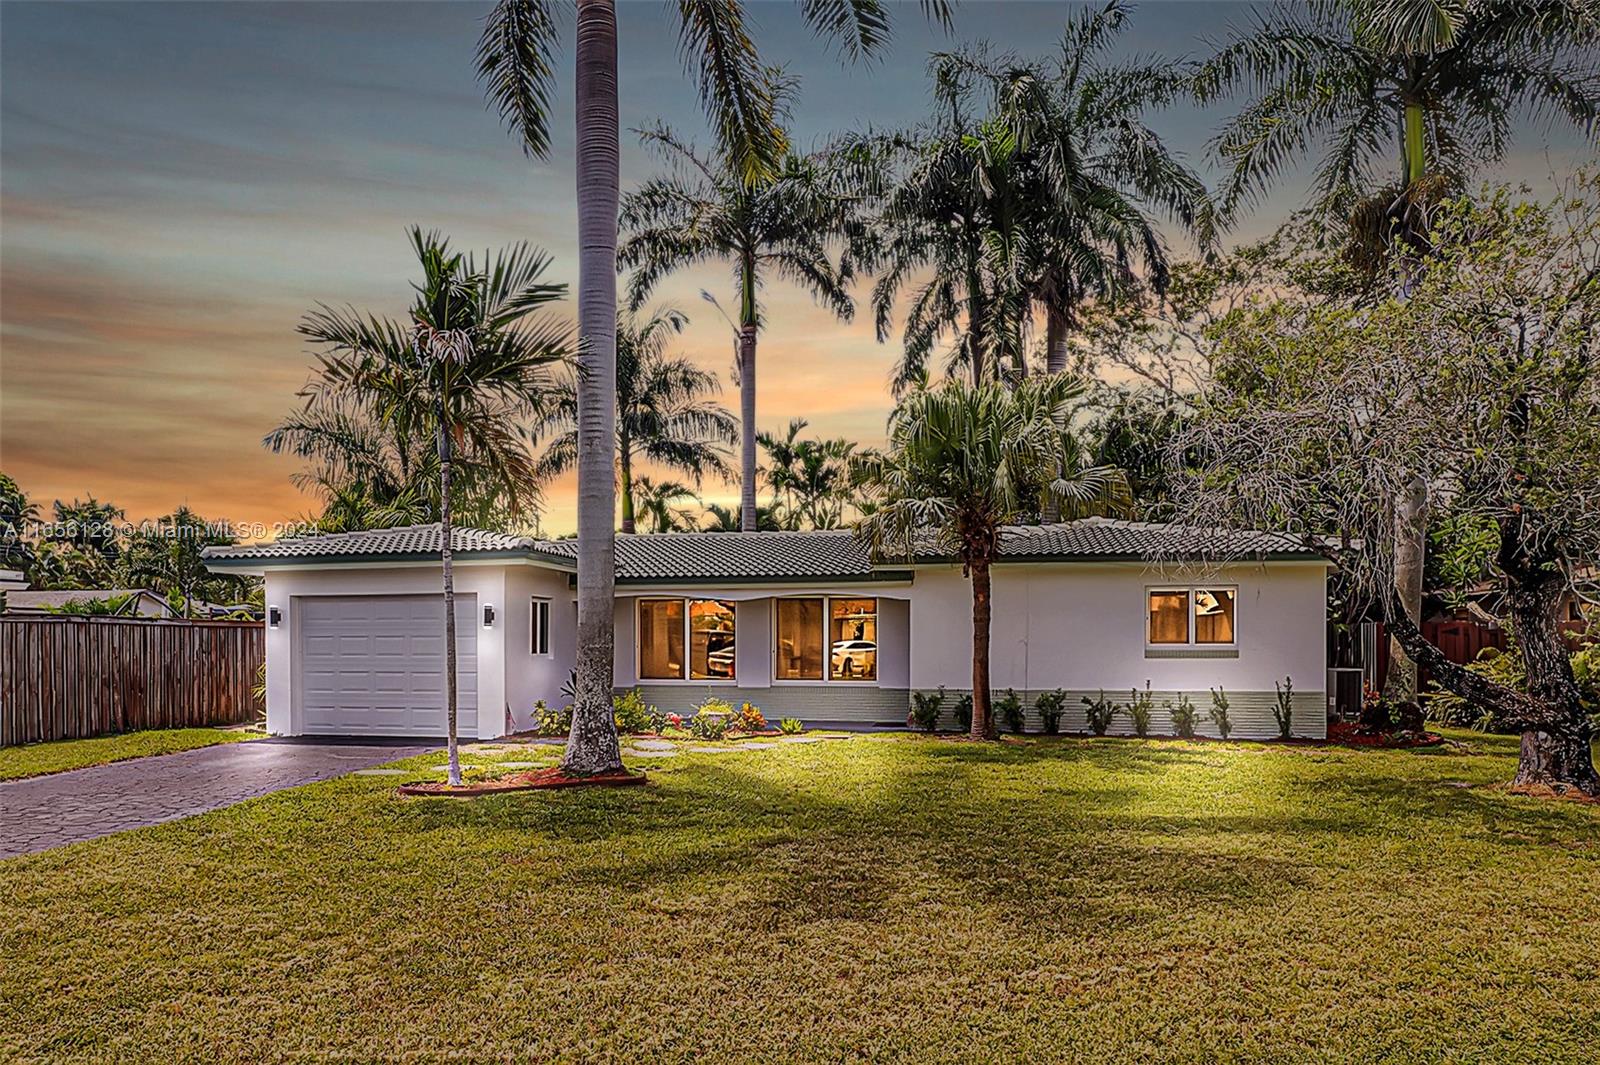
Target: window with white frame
x: 1191, y: 616
x: 825, y: 638
x: 686, y: 639
x: 539, y: 629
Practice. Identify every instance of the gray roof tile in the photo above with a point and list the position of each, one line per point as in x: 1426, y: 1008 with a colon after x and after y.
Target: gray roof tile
x: 833, y: 554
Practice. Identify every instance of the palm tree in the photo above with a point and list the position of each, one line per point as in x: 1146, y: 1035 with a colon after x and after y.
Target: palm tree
x: 17, y: 513
x: 1445, y: 79
x: 658, y: 505
x: 516, y: 63
x: 810, y: 479
x: 89, y: 525
x: 965, y: 460
x: 704, y: 209
x: 663, y: 413
x: 1045, y: 192
x: 468, y: 369
x: 720, y: 519
x: 1092, y: 174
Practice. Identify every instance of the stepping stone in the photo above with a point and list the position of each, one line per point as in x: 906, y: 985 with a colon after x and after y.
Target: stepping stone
x: 382, y: 772
x: 802, y: 739
x: 756, y: 746
x: 711, y: 750
x: 651, y: 754
x: 654, y: 745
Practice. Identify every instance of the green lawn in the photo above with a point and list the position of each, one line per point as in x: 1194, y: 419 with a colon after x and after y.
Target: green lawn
x: 872, y: 899
x: 37, y: 759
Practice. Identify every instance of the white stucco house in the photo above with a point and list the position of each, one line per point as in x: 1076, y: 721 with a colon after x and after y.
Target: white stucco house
x: 803, y: 624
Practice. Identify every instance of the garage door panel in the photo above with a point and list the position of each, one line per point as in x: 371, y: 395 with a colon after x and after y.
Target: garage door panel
x: 374, y: 665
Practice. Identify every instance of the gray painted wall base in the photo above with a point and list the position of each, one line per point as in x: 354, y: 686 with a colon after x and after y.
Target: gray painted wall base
x: 1249, y: 712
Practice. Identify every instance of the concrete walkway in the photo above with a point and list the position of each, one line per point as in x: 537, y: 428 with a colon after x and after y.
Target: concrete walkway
x: 50, y: 811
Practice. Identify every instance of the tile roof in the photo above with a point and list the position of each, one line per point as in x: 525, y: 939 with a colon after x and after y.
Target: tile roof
x: 833, y: 554
x: 424, y: 540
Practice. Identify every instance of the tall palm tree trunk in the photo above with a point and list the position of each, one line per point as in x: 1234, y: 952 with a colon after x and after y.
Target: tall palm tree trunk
x: 982, y: 719
x: 625, y: 484
x: 592, y: 745
x: 747, y: 391
x: 1055, y: 361
x: 446, y: 561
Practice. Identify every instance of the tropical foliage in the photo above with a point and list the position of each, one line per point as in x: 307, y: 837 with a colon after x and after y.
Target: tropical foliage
x: 965, y: 460
x: 665, y: 414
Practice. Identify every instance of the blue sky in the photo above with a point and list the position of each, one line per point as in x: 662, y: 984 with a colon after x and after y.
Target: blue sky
x: 179, y: 183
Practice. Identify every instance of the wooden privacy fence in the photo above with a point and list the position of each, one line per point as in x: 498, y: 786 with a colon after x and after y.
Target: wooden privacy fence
x: 70, y: 677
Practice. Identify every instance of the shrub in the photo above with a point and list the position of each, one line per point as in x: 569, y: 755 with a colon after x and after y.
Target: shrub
x: 633, y: 713
x: 1219, y: 712
x: 925, y: 708
x: 1283, y: 707
x: 791, y: 726
x: 1100, y: 712
x: 548, y: 721
x: 964, y: 712
x: 1008, y: 709
x: 1140, y: 707
x: 1182, y: 716
x: 747, y: 718
x: 709, y: 724
x: 1051, y: 706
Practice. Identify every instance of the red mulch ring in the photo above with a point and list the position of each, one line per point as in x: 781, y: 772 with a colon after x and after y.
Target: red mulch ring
x: 533, y: 780
x: 1350, y: 734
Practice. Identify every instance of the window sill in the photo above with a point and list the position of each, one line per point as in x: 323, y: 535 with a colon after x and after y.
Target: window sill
x: 1191, y: 652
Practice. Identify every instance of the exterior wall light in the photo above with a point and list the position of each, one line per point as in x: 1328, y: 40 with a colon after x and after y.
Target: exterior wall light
x: 274, y: 615
x: 488, y: 616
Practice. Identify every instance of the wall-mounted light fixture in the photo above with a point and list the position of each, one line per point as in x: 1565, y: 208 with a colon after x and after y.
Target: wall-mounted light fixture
x: 488, y: 616
x: 274, y: 615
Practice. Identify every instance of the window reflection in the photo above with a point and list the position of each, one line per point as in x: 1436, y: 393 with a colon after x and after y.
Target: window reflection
x: 1213, y: 615
x: 799, y: 640
x: 661, y: 639
x: 853, y: 639
x: 711, y: 635
x: 1169, y: 617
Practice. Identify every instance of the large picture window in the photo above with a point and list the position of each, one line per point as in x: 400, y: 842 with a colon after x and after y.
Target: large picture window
x: 822, y: 638
x: 1190, y: 617
x: 799, y: 636
x: 686, y: 639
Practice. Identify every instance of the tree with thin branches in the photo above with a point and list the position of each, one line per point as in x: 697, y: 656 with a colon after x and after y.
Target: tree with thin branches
x: 1438, y: 84
x: 665, y: 413
x: 467, y: 369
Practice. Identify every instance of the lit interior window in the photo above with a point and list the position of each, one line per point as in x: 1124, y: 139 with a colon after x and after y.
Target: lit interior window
x: 710, y: 640
x: 853, y: 639
x: 799, y: 637
x: 1169, y: 617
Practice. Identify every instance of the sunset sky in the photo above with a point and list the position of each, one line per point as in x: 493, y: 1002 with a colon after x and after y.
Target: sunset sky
x: 179, y: 183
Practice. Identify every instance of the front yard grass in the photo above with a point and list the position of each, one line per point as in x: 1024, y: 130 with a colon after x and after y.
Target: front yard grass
x: 37, y: 759
x: 877, y: 898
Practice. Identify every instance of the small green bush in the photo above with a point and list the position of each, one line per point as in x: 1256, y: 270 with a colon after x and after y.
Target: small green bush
x: 1008, y: 710
x: 1139, y: 710
x: 1219, y: 712
x: 964, y: 712
x: 791, y: 726
x: 1183, y: 715
x: 709, y: 724
x: 548, y: 721
x: 925, y: 708
x: 1283, y: 708
x: 1052, y: 705
x: 1100, y: 712
x: 633, y: 714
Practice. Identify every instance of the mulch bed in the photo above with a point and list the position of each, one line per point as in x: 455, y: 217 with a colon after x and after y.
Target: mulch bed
x: 532, y: 780
x: 1350, y: 734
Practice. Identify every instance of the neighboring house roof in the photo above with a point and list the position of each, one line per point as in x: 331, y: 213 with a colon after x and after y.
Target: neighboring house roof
x: 824, y: 555
x: 150, y: 604
x: 422, y: 541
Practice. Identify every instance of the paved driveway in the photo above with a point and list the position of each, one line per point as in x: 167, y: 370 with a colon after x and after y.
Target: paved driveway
x: 82, y: 804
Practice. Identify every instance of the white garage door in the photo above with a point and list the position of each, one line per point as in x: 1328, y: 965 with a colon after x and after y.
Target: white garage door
x: 373, y: 665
